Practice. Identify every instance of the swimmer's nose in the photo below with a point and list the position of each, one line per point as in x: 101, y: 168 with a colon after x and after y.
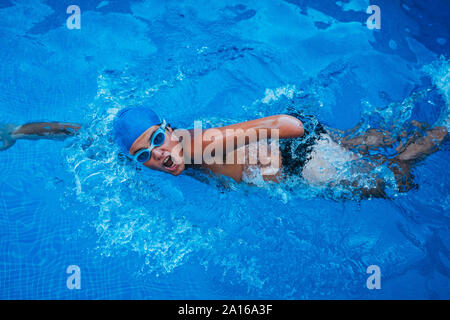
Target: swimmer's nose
x: 157, y: 154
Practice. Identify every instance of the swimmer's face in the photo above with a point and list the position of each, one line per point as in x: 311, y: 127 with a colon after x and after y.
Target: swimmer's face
x: 167, y: 158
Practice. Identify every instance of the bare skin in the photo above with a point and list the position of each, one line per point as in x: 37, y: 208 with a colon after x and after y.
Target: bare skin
x: 416, y: 148
x: 288, y: 126
x: 10, y: 133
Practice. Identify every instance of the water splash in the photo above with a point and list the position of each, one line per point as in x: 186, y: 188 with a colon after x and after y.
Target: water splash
x: 439, y: 72
x: 165, y: 221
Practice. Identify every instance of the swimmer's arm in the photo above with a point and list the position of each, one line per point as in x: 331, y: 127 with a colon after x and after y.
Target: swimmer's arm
x: 240, y: 134
x: 246, y: 132
x: 287, y: 126
x: 45, y: 130
x: 9, y: 134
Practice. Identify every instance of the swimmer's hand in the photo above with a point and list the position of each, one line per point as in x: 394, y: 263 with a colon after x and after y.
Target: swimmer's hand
x: 6, y: 138
x: 36, y: 130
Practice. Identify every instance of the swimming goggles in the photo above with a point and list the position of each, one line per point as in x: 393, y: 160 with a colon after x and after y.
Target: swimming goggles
x: 156, y: 140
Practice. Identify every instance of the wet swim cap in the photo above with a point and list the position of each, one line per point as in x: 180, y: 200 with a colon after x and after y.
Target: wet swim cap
x: 130, y: 123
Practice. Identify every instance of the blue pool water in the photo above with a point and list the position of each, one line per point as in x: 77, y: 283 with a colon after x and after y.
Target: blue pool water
x: 146, y: 235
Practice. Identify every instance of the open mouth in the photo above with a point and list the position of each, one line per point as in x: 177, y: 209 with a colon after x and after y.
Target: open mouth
x: 169, y: 164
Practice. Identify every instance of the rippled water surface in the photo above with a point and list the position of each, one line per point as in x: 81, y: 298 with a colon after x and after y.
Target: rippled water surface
x: 141, y: 234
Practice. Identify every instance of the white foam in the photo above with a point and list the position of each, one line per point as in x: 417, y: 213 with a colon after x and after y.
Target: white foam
x: 439, y: 71
x: 272, y: 95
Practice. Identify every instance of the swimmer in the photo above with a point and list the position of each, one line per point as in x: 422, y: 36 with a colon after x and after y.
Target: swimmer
x: 306, y: 148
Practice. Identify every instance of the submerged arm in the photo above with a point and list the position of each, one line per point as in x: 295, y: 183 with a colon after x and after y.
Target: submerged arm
x: 9, y: 134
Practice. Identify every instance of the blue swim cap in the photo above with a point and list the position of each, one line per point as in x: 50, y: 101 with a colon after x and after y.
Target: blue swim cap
x: 130, y: 123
